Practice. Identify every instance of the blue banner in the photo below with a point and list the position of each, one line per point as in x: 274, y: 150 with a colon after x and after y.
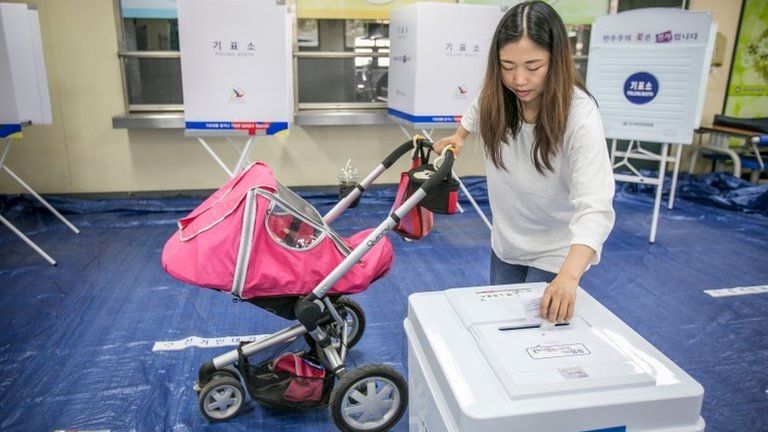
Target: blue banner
x: 424, y: 119
x: 10, y: 131
x: 613, y: 429
x: 269, y: 128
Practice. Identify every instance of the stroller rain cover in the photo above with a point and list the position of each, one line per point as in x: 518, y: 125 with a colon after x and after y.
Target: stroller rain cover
x: 256, y: 238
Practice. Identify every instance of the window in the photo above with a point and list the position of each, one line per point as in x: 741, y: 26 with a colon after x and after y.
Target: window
x: 578, y: 35
x: 289, y: 229
x: 149, y: 54
x: 295, y: 224
x: 342, y: 63
x: 625, y: 5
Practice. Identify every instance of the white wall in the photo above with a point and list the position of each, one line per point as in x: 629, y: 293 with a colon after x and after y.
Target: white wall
x: 726, y: 14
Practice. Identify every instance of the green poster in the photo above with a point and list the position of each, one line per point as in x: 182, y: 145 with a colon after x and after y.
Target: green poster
x: 748, y: 87
x: 572, y: 12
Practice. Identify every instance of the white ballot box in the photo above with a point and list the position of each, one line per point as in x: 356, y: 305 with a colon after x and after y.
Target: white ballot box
x: 438, y: 57
x: 478, y: 360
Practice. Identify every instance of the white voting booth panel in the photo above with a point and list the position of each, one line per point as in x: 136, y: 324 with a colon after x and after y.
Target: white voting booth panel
x: 24, y: 95
x: 10, y: 123
x: 646, y: 69
x: 437, y: 61
x: 478, y: 361
x: 236, y: 66
x: 236, y: 70
x: 437, y: 64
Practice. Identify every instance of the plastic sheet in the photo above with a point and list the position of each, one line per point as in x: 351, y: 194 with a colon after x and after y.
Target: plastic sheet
x: 76, y: 347
x: 713, y: 189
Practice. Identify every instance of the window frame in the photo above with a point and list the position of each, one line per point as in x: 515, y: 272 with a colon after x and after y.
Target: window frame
x: 123, y: 54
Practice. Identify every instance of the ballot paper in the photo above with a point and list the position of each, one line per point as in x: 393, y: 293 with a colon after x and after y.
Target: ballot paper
x: 532, y: 308
x: 533, y: 318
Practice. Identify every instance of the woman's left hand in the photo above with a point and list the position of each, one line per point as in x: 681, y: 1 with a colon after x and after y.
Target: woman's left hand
x: 559, y: 299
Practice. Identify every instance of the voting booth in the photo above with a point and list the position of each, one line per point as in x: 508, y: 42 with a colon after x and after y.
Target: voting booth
x: 236, y: 66
x: 24, y: 95
x: 437, y: 61
x: 648, y: 70
x: 437, y: 65
x: 479, y: 360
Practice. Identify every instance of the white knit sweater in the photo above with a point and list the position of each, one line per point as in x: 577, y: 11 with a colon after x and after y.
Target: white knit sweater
x: 536, y: 218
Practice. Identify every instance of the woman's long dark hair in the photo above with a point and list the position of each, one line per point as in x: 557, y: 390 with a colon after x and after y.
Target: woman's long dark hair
x: 499, y: 107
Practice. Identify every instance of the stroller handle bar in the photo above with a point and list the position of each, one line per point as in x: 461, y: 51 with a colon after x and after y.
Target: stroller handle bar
x: 370, y: 178
x: 388, y: 224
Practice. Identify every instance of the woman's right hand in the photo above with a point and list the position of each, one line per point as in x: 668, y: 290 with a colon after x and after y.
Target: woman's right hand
x: 455, y: 140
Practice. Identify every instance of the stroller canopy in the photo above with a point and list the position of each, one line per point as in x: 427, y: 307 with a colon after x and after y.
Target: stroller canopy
x: 256, y: 238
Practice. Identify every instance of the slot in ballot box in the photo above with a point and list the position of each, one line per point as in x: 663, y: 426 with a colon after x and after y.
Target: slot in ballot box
x: 478, y: 360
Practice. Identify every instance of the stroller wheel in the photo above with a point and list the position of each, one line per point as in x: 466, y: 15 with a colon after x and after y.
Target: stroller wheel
x: 221, y: 398
x: 351, y: 312
x: 227, y: 371
x: 371, y: 398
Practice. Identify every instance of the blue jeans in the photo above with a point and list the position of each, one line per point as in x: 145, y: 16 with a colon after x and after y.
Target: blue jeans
x: 505, y: 273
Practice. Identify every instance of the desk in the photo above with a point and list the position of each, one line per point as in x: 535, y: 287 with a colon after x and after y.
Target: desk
x: 746, y: 156
x: 175, y: 120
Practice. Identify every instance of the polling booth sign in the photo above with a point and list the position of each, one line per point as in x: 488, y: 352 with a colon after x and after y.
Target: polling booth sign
x: 437, y: 65
x: 236, y: 65
x: 236, y: 70
x: 648, y: 71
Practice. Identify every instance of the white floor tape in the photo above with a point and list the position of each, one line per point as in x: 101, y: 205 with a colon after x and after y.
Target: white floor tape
x: 726, y: 292
x: 196, y: 341
x: 82, y: 430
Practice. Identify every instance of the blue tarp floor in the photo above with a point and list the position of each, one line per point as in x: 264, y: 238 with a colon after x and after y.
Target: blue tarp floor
x: 76, y: 342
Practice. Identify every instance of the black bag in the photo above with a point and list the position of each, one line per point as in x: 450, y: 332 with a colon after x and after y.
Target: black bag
x: 443, y: 197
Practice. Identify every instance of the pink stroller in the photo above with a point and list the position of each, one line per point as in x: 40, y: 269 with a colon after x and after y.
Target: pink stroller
x: 265, y: 245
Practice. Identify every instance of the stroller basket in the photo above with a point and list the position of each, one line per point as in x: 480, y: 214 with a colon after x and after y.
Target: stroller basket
x: 285, y: 388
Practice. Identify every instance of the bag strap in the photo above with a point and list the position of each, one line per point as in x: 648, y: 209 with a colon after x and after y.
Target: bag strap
x: 420, y: 155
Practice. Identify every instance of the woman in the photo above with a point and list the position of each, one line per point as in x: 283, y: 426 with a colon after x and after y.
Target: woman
x: 550, y: 181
